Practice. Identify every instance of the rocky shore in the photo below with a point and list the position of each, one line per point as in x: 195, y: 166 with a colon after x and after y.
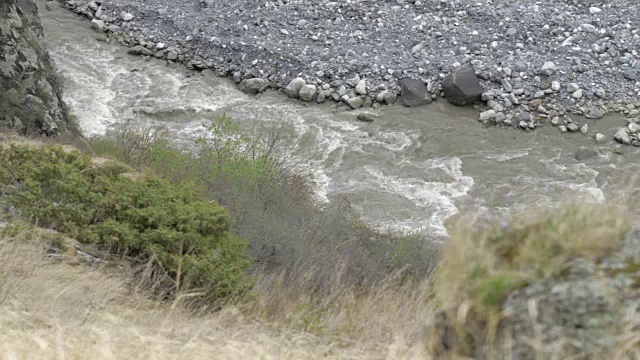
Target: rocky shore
x: 528, y: 64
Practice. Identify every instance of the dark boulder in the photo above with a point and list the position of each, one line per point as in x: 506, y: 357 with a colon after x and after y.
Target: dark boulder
x: 462, y: 86
x: 413, y: 93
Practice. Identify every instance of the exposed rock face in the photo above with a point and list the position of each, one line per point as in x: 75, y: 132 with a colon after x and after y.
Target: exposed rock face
x: 30, y: 94
x: 462, y: 86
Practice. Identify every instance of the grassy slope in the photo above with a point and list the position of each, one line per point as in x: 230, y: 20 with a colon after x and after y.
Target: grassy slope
x: 59, y: 307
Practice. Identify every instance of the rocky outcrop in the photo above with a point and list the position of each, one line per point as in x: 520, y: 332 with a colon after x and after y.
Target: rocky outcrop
x: 462, y: 86
x: 30, y: 94
x: 587, y: 310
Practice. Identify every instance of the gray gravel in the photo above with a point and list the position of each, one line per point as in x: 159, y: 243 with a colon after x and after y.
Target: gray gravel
x: 582, y: 56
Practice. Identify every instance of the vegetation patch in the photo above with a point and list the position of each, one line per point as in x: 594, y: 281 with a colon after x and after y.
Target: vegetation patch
x: 187, y: 242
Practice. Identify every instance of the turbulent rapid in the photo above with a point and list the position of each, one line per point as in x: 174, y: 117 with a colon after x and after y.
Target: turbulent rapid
x: 408, y: 170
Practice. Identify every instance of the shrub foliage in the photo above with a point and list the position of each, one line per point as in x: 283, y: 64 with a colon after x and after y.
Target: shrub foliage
x: 187, y: 239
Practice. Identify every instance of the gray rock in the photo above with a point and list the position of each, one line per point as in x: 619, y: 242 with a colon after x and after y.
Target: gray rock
x: 622, y: 136
x: 128, y: 17
x: 253, y: 86
x: 321, y: 97
x: 488, y: 115
x: 577, y: 94
x: 462, y: 86
x: 307, y: 92
x: 634, y: 128
x: 555, y: 86
x: 584, y: 129
x: 387, y: 96
x: 172, y: 55
x: 361, y: 87
x: 573, y: 87
x: 600, y: 138
x: 506, y: 85
x: 98, y: 25
x: 548, y: 68
x: 293, y: 89
x: 413, y: 93
x: 572, y: 127
x: 355, y: 102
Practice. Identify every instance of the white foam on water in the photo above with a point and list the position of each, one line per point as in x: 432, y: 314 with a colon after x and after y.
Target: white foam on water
x: 501, y: 156
x: 437, y: 196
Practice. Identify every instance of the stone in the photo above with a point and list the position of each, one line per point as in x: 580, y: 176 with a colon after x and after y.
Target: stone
x: 128, y: 17
x: 365, y: 117
x: 139, y: 50
x: 634, y: 128
x: 488, y: 115
x: 600, y: 138
x: 387, y: 96
x: 622, y: 136
x: 361, y: 87
x: 355, y: 102
x: 535, y: 103
x: 573, y: 87
x: 555, y: 121
x: 293, y: 89
x: 594, y: 10
x: 98, y: 25
x: 506, y: 85
x: 462, y: 86
x: 555, y: 86
x: 307, y: 92
x: 172, y: 55
x: 413, y: 93
x: 577, y: 94
x: 548, y: 68
x: 572, y: 127
x: 584, y: 129
x: 237, y: 77
x: 253, y: 86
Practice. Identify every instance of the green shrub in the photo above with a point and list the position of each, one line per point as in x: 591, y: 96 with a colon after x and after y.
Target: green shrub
x: 152, y: 220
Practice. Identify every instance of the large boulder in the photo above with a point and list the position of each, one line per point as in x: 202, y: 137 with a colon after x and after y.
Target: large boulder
x: 462, y: 87
x: 413, y: 93
x: 253, y: 86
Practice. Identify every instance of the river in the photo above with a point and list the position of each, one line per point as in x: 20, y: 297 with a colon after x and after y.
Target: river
x: 409, y: 170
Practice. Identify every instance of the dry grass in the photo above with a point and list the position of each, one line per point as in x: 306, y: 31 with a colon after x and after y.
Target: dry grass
x: 65, y: 309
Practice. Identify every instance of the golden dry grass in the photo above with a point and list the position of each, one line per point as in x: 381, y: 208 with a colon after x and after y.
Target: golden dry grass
x: 65, y: 309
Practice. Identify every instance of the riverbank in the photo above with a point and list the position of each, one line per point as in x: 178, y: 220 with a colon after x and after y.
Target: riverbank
x: 559, y: 59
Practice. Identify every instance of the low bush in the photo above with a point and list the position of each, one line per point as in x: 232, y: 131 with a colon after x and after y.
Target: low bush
x: 188, y: 242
